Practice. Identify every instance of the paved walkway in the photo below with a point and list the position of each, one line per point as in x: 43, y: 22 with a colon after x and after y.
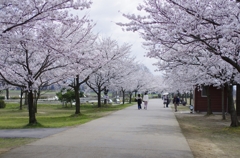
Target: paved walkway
x: 30, y: 133
x: 128, y: 133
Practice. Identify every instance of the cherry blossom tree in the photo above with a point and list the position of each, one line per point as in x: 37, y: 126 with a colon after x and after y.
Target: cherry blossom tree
x: 139, y: 80
x: 187, y: 29
x: 126, y: 68
x: 183, y: 27
x: 143, y: 80
x: 33, y: 41
x: 83, y: 59
x: 113, y: 53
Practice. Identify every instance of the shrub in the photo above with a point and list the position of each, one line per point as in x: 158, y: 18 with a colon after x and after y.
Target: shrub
x: 2, y: 104
x: 2, y: 97
x: 134, y: 99
x: 15, y: 97
x: 43, y: 97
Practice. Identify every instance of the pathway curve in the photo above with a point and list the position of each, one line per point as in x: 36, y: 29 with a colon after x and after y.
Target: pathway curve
x: 128, y: 133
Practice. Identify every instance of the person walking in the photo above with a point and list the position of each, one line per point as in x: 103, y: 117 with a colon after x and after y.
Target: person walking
x: 145, y: 100
x: 167, y: 101
x: 175, y: 102
x: 139, y: 101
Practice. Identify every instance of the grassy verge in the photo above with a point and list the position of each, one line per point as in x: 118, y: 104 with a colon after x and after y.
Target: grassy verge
x: 9, y: 143
x: 53, y: 115
x: 48, y: 116
x: 209, y: 136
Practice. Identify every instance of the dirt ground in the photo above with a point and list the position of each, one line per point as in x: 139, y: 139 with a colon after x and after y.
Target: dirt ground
x: 209, y: 136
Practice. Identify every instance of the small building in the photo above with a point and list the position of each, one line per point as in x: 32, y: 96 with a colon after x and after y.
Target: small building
x: 200, y: 99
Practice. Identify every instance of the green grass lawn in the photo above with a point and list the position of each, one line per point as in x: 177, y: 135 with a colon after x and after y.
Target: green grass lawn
x: 53, y: 116
x: 8, y: 143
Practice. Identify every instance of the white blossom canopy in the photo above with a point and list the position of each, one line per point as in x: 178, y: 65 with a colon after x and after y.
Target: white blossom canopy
x: 193, y: 40
x: 34, y: 39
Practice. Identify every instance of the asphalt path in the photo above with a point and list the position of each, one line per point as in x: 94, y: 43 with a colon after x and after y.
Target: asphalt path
x: 128, y: 133
x: 30, y: 133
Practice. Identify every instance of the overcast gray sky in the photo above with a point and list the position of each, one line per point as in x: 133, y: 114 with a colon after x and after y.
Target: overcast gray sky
x: 106, y: 13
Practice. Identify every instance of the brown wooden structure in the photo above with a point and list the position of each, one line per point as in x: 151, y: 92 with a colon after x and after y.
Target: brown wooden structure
x: 238, y: 100
x: 200, y: 100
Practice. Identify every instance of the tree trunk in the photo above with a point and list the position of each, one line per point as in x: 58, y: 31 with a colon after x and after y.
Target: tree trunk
x: 130, y: 98
x: 223, y: 107
x: 77, y: 97
x: 32, y: 117
x: 123, y: 91
x: 234, y: 119
x: 99, y: 97
x: 209, y: 106
x: 186, y: 96
x: 21, y: 98
x: 35, y: 101
x: 190, y: 98
x: 26, y: 98
x: 37, y: 96
x: 105, y: 95
x: 7, y: 93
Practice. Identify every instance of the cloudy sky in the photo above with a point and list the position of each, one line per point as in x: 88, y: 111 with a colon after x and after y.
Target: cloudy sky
x: 105, y: 13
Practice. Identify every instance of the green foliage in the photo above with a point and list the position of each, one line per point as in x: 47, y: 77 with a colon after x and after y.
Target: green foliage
x: 67, y: 96
x: 15, y: 97
x: 2, y: 97
x: 155, y: 96
x: 81, y: 94
x: 133, y: 99
x: 2, y: 104
x: 12, y: 106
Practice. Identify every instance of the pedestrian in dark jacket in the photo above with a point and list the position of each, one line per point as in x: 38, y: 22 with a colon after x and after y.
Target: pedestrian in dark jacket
x: 139, y: 101
x: 175, y: 102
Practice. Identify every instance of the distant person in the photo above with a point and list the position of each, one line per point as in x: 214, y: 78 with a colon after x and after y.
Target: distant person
x: 139, y: 101
x: 165, y: 101
x: 145, y: 100
x: 176, y: 102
